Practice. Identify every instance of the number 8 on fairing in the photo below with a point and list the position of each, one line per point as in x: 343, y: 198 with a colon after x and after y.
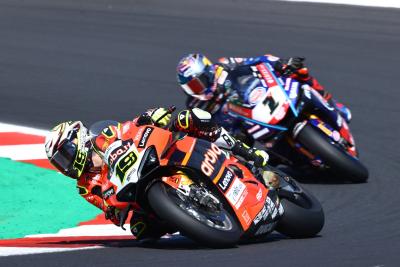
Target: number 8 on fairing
x: 125, y: 164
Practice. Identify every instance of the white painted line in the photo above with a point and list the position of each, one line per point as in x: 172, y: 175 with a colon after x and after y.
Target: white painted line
x: 5, y: 127
x: 90, y: 230
x: 372, y: 3
x: 23, y: 152
x: 13, y: 251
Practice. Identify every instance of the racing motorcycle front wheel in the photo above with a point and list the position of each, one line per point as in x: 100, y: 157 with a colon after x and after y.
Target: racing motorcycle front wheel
x: 199, y: 215
x: 340, y: 162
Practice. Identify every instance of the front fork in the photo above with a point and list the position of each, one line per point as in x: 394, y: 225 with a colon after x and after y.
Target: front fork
x: 335, y: 127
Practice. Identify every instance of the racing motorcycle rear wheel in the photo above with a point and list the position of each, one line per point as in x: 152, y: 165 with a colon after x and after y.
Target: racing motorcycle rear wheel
x: 339, y: 161
x: 211, y: 225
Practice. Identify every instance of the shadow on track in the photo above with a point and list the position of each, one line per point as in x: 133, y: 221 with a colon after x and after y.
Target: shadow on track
x: 307, y: 176
x: 174, y: 242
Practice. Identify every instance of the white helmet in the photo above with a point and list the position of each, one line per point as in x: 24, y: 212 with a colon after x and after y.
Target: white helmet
x: 67, y: 147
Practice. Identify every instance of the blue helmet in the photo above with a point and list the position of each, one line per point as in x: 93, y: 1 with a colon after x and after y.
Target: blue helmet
x: 195, y: 74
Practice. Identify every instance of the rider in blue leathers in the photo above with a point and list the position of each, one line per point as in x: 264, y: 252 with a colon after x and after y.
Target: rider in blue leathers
x: 209, y: 85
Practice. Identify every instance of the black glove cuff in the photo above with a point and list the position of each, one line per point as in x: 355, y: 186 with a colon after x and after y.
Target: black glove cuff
x: 144, y: 119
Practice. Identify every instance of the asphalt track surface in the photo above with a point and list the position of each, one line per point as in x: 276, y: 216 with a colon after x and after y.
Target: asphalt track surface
x: 100, y: 59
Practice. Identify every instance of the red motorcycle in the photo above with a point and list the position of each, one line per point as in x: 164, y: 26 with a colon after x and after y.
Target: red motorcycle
x: 204, y: 192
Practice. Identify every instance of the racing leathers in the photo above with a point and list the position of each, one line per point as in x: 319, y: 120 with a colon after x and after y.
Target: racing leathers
x: 231, y: 72
x: 195, y: 122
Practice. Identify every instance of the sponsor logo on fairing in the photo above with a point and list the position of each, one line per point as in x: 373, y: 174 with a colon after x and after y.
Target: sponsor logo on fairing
x: 226, y: 180
x: 257, y: 95
x: 259, y: 194
x: 241, y: 199
x: 266, y: 74
x: 119, y: 152
x: 236, y: 193
x: 145, y: 137
x: 116, y: 150
x: 210, y: 158
x: 293, y: 90
x: 269, y: 208
x: 263, y: 214
x: 138, y: 134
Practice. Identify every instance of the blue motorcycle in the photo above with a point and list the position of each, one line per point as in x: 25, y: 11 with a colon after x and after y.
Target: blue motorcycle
x: 295, y: 123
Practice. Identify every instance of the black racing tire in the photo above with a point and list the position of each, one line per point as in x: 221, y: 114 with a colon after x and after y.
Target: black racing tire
x: 169, y: 211
x: 340, y: 162
x: 303, y: 217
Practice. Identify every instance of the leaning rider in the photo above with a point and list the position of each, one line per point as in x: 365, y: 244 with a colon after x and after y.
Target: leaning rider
x: 76, y: 154
x: 209, y: 85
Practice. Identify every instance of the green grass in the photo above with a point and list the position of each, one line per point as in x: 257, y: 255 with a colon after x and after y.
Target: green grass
x: 37, y: 201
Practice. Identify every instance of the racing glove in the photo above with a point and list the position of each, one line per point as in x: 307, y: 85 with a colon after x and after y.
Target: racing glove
x: 157, y: 116
x: 258, y: 156
x: 160, y: 116
x: 295, y: 66
x: 296, y: 63
x: 113, y: 214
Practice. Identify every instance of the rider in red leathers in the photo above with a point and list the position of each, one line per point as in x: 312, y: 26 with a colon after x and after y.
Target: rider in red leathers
x: 73, y: 150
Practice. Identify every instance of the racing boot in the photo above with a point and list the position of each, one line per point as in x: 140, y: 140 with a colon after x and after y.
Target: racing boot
x: 147, y: 227
x: 260, y: 159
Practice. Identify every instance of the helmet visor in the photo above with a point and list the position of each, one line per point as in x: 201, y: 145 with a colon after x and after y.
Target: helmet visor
x: 65, y: 155
x: 198, y: 85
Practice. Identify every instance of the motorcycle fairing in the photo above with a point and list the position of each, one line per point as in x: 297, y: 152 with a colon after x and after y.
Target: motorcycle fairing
x: 267, y: 72
x: 265, y: 104
x: 325, y: 128
x: 330, y: 132
x: 245, y: 194
x: 335, y: 123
